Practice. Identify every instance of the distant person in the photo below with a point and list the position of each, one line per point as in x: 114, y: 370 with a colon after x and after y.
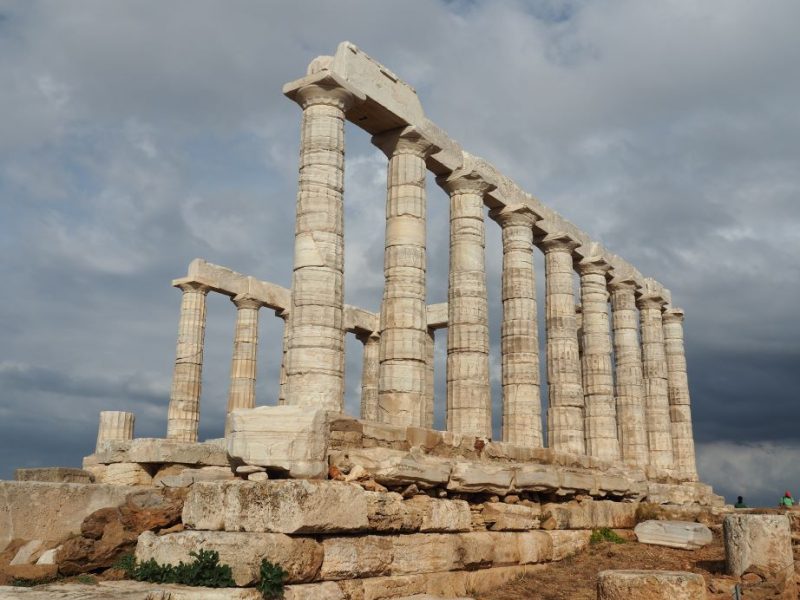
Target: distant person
x: 740, y: 503
x: 787, y: 501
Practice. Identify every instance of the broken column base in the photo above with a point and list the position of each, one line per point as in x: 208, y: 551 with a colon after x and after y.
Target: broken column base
x: 653, y: 585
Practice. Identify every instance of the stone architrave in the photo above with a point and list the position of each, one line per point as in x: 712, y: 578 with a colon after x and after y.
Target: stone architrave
x: 369, y: 376
x: 403, y: 324
x: 115, y: 425
x: 469, y: 402
x: 430, y: 381
x: 242, y: 392
x: 183, y: 417
x: 315, y: 352
x: 598, y: 377
x: 629, y: 388
x: 680, y: 410
x: 522, y: 420
x: 654, y: 368
x: 565, y: 418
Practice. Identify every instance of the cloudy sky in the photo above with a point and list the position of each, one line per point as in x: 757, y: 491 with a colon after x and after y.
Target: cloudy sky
x: 136, y: 136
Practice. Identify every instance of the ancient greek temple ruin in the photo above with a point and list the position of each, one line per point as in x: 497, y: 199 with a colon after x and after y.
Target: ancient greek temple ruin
x: 383, y: 505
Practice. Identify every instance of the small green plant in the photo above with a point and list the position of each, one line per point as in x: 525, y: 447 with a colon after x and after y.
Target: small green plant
x: 126, y: 563
x: 604, y: 534
x: 86, y: 579
x: 19, y: 582
x: 203, y: 571
x: 271, y: 582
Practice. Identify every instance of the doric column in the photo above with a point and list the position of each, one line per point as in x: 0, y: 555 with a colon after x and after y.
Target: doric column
x: 403, y: 324
x: 284, y: 316
x: 579, y: 330
x: 679, y: 401
x: 519, y: 338
x: 654, y: 368
x: 242, y: 393
x: 565, y: 426
x: 183, y: 416
x: 369, y: 376
x: 598, y: 378
x: 315, y: 353
x: 631, y: 423
x: 430, y: 357
x: 469, y: 402
x: 114, y: 425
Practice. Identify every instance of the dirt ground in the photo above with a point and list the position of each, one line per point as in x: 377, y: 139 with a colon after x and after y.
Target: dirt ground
x: 576, y: 578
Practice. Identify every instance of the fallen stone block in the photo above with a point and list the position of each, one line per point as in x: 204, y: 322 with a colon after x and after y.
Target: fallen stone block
x: 761, y: 544
x: 158, y: 450
x: 674, y: 534
x: 54, y: 475
x: 183, y: 476
x: 301, y: 558
x: 24, y: 554
x: 653, y: 585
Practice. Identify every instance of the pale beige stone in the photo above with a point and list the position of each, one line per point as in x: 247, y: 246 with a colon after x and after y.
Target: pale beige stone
x: 758, y: 542
x: 441, y: 515
x: 327, y: 590
x: 129, y: 590
x: 394, y: 468
x: 156, y: 450
x: 499, y: 516
x: 355, y: 557
x: 472, y: 477
x: 675, y: 534
x: 301, y: 558
x: 126, y: 474
x: 535, y: 547
x: 568, y: 543
x: 428, y: 399
x: 185, y: 477
x: 242, y: 392
x: 54, y: 475
x: 24, y: 554
x: 115, y: 425
x: 369, y: 377
x: 290, y: 438
x: 592, y: 514
x: 653, y: 585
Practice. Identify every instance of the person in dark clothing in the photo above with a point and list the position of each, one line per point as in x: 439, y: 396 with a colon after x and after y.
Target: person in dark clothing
x: 740, y: 503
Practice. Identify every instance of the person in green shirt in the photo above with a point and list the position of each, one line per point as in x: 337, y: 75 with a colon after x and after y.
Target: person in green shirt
x: 740, y: 503
x: 787, y: 501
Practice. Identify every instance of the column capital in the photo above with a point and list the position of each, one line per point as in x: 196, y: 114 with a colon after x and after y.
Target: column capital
x: 623, y: 284
x: 514, y: 215
x: 367, y: 336
x: 246, y: 301
x: 323, y: 87
x: 187, y: 284
x: 557, y: 242
x: 464, y: 181
x: 651, y: 301
x: 404, y: 140
x: 593, y: 265
x: 673, y: 315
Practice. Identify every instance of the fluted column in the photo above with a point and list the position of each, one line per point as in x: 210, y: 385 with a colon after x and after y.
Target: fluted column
x: 519, y: 338
x: 598, y: 377
x: 183, y: 417
x: 242, y: 393
x: 315, y: 353
x: 654, y: 368
x: 369, y: 376
x: 283, y: 316
x: 403, y: 324
x: 679, y: 400
x: 114, y: 425
x: 469, y: 403
x: 629, y: 388
x: 430, y: 382
x: 565, y: 425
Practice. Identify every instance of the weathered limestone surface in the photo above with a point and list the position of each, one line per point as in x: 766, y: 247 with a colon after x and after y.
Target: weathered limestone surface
x: 679, y: 402
x: 428, y: 399
x: 115, y: 425
x: 654, y: 363
x: 156, y: 450
x: 292, y: 438
x: 369, y: 377
x: 136, y: 590
x: 653, y: 585
x: 598, y: 379
x: 565, y: 412
x: 50, y: 511
x: 761, y: 543
x: 469, y: 403
x: 675, y: 534
x: 54, y: 475
x: 183, y: 417
x: 404, y: 327
x: 592, y: 515
x: 242, y: 393
x: 315, y: 353
x: 122, y: 473
x: 498, y: 516
x: 629, y: 390
x: 519, y: 339
x: 299, y: 557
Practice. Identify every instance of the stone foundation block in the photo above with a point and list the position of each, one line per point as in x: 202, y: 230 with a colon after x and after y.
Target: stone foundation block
x: 396, y: 468
x: 472, y: 477
x: 301, y: 558
x: 124, y: 474
x: 440, y: 515
x: 510, y: 517
x: 54, y: 475
x: 653, y: 585
x: 568, y: 543
x: 157, y: 450
x: 592, y: 514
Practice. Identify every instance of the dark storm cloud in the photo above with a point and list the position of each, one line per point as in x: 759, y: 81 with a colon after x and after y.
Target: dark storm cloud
x: 136, y: 137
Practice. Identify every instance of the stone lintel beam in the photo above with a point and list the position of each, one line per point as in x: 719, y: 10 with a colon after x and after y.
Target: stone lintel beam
x: 230, y: 283
x: 406, y: 139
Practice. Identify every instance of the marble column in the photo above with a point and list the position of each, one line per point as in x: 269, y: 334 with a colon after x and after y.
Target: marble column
x: 315, y: 352
x: 679, y: 401
x: 369, y: 376
x: 519, y: 338
x: 598, y: 378
x: 403, y: 321
x: 629, y: 387
x: 469, y: 402
x: 284, y: 316
x: 654, y: 368
x: 183, y: 417
x: 430, y: 382
x: 114, y: 425
x: 242, y: 393
x: 565, y: 419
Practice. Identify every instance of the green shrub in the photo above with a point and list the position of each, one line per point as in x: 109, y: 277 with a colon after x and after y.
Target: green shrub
x: 203, y: 571
x: 271, y: 581
x: 604, y: 534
